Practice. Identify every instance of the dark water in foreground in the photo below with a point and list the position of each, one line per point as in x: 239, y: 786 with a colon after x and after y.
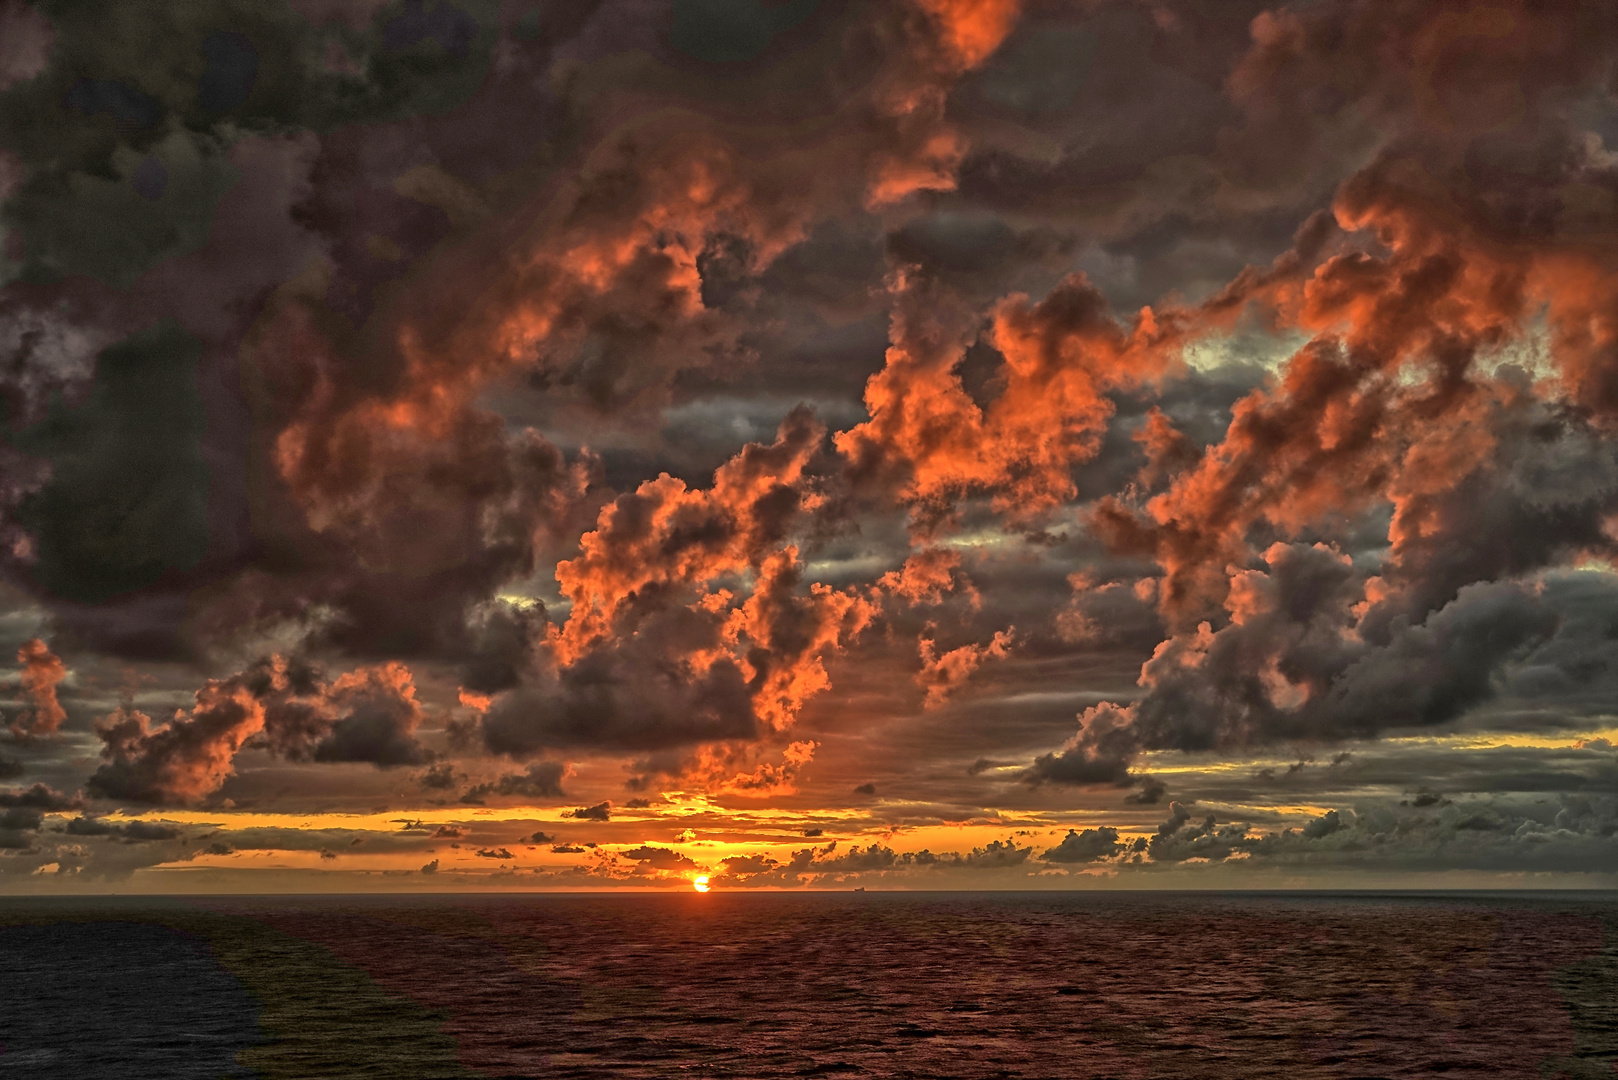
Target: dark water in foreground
x: 874, y: 984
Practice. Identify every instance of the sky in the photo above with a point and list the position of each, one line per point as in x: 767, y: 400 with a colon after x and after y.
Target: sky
x: 916, y: 444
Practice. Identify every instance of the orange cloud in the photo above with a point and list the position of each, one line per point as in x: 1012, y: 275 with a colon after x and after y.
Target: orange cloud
x: 667, y: 534
x: 788, y: 636
x: 42, y: 672
x: 931, y: 441
x: 972, y: 29
x: 943, y: 674
x: 928, y: 576
x: 369, y: 714
x: 377, y: 434
x: 770, y: 779
x: 183, y: 760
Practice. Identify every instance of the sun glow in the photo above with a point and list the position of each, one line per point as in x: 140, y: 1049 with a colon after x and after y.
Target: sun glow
x: 700, y: 883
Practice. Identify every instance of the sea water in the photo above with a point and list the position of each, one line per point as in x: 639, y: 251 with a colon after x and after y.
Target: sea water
x: 872, y: 984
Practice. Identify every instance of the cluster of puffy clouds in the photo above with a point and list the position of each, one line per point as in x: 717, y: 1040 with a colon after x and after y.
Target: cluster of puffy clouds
x: 1433, y: 842
x: 1429, y: 839
x: 589, y: 384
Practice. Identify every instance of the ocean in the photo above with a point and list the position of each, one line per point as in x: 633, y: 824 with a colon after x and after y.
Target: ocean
x: 877, y: 984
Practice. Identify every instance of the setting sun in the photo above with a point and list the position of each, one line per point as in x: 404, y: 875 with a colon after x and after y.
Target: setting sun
x: 700, y: 883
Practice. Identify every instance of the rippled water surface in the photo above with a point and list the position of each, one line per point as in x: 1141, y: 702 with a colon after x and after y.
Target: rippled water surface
x: 874, y: 984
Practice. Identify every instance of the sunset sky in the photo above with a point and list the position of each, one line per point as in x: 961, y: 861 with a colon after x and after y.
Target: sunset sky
x: 927, y: 444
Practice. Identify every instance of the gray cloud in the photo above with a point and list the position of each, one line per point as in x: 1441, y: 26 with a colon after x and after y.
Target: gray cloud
x: 1084, y: 847
x: 541, y: 780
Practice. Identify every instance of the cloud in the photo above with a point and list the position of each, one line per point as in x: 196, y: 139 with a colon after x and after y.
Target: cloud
x: 971, y: 31
x: 995, y: 855
x: 369, y: 714
x: 180, y: 761
x: 658, y: 858
x: 601, y: 811
x: 1151, y: 792
x: 931, y: 443
x: 1283, y: 337
x: 647, y: 692
x: 722, y: 769
x: 1290, y: 666
x: 131, y: 831
x: 1568, y: 834
x: 943, y: 674
x: 440, y: 777
x: 541, y: 780
x: 1099, y: 754
x: 377, y: 718
x: 20, y: 819
x: 40, y: 797
x: 394, y: 496
x: 826, y: 864
x: 42, y: 671
x: 27, y: 36
x: 1088, y: 846
x: 928, y: 576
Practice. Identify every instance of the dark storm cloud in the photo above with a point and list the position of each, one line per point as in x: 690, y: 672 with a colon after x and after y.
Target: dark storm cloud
x: 130, y: 831
x: 1133, y: 89
x: 162, y: 393
x: 1099, y: 754
x: 40, y: 797
x: 1572, y: 833
x: 383, y: 491
x: 995, y: 855
x: 1466, y: 512
x: 440, y: 777
x: 621, y: 697
x: 288, y: 707
x: 1180, y: 838
x: 1418, y: 773
x: 1542, y: 495
x: 127, y: 499
x: 1288, y: 667
x: 658, y: 858
x: 355, y: 332
x: 20, y: 819
x: 1151, y: 792
x: 875, y: 860
x: 541, y: 780
x: 1574, y: 674
x: 1084, y: 847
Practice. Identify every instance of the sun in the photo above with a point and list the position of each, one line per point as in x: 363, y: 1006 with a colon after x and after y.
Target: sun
x: 700, y: 883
